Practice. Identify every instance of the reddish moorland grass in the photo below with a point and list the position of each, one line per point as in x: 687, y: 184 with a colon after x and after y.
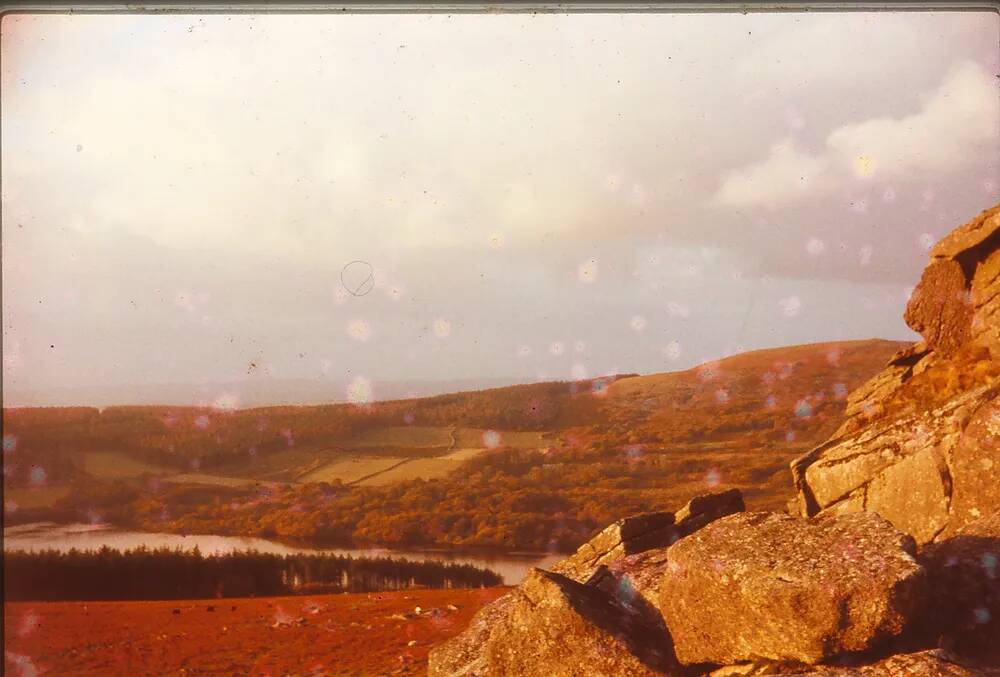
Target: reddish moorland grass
x: 346, y: 634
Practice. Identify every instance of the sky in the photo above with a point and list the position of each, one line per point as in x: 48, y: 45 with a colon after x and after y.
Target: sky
x: 539, y: 197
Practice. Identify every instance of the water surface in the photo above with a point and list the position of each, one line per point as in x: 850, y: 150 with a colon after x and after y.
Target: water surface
x: 512, y: 567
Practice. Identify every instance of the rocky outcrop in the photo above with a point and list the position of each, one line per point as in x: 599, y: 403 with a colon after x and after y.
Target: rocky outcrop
x: 919, y: 443
x: 771, y: 586
x: 552, y: 625
x: 646, y: 531
x: 624, y: 537
x: 835, y: 589
x: 905, y: 468
x: 570, y: 621
x: 634, y: 577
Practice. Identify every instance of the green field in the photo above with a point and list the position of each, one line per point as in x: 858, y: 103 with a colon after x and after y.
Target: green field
x: 288, y: 465
x: 442, y: 436
x: 215, y: 480
x: 403, y: 436
x: 464, y: 454
x: 382, y: 456
x: 352, y: 469
x: 474, y: 437
x: 422, y: 468
x: 381, y: 470
x: 110, y: 465
x: 36, y: 497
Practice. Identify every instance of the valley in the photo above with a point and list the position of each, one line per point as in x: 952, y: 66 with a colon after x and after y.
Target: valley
x: 534, y: 467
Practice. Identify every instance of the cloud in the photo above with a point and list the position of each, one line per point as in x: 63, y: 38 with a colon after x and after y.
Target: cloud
x: 951, y: 126
x: 788, y: 174
x: 946, y: 134
x: 485, y: 166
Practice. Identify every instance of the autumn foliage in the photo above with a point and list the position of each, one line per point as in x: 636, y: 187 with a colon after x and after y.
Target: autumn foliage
x: 611, y: 447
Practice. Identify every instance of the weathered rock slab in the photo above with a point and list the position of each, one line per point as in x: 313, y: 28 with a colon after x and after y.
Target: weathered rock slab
x: 969, y: 236
x: 985, y: 325
x: 768, y: 586
x: 907, y: 448
x: 975, y: 466
x: 636, y: 577
x: 913, y: 494
x: 554, y: 626
x: 927, y: 473
x: 624, y: 537
x: 643, y: 532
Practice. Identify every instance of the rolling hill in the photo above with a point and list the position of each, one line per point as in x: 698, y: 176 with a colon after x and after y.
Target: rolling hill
x: 525, y: 466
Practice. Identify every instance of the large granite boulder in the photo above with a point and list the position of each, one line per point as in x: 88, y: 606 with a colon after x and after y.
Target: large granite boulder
x: 769, y: 586
x: 919, y: 441
x: 634, y: 575
x: 552, y: 625
x: 569, y: 621
x: 639, y: 533
x: 956, y: 299
x: 939, y: 308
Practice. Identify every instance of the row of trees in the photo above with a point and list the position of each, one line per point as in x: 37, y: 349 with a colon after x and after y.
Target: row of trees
x: 145, y: 574
x: 202, y: 437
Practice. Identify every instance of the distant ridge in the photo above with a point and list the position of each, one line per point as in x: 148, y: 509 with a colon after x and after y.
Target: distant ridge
x: 310, y: 392
x: 247, y: 394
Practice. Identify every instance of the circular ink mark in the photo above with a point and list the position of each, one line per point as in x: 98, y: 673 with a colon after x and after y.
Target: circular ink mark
x: 358, y: 278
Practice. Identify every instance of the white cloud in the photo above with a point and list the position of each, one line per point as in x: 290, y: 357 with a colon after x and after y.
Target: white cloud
x: 948, y: 131
x: 787, y: 174
x: 952, y: 124
x: 251, y: 157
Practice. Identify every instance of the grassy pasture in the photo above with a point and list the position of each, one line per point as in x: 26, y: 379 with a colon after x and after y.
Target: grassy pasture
x: 110, y: 465
x: 423, y: 468
x: 288, y: 465
x: 464, y: 454
x: 214, y: 480
x: 36, y: 497
x: 474, y: 437
x: 403, y: 436
x: 442, y: 436
x: 385, y: 456
x: 352, y: 469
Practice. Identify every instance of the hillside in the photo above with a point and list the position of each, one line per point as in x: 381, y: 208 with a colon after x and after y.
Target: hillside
x: 535, y: 466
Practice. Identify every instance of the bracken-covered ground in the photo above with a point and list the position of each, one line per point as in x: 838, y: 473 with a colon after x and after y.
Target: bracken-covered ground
x: 347, y: 634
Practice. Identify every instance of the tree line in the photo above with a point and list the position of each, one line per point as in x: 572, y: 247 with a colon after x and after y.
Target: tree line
x: 199, y: 438
x: 163, y: 573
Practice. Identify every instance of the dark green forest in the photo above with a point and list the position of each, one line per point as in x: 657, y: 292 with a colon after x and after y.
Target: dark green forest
x: 148, y: 574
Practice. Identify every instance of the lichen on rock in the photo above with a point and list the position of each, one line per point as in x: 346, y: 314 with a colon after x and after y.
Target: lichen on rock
x: 776, y: 587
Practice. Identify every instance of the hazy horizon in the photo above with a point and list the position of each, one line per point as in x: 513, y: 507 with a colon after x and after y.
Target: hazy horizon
x: 545, y: 197
x: 282, y: 392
